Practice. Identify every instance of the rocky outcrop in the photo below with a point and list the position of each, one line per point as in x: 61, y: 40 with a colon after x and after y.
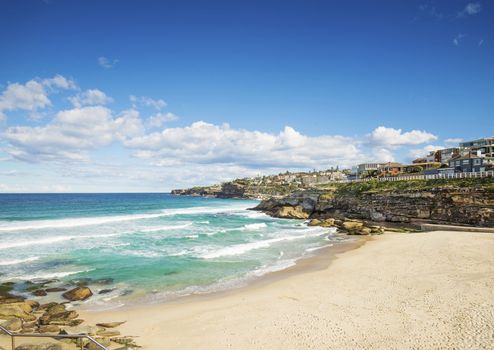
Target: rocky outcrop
x: 225, y: 190
x: 28, y: 317
x: 446, y: 205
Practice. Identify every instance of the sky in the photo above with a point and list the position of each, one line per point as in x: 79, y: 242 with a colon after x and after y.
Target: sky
x: 147, y: 96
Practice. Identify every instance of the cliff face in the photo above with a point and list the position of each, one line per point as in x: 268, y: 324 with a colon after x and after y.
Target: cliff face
x: 235, y: 189
x: 471, y: 205
x: 226, y: 190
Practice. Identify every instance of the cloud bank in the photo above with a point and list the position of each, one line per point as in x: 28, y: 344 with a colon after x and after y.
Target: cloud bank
x: 76, y: 137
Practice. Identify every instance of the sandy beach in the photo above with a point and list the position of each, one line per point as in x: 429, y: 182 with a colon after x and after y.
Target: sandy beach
x: 428, y: 290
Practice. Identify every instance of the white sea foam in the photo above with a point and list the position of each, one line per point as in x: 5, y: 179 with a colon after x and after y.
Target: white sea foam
x: 249, y: 227
x: 49, y: 240
x: 318, y: 248
x: 257, y: 226
x: 76, y: 222
x: 240, y: 249
x: 281, y: 265
x: 45, y: 276
x: 256, y: 215
x: 165, y: 228
x: 18, y: 261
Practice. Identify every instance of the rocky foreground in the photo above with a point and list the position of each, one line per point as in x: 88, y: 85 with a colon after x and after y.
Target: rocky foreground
x: 23, y: 316
x: 363, y: 208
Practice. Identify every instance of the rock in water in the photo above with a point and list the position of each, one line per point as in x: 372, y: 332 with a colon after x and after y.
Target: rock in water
x: 55, y: 289
x: 315, y: 222
x: 78, y: 293
x: 39, y: 293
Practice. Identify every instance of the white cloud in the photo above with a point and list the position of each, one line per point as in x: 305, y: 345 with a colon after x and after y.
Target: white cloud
x: 157, y: 104
x: 60, y: 82
x: 205, y: 143
x: 431, y: 10
x: 472, y: 8
x: 457, y: 39
x: 29, y: 96
x: 424, y: 151
x: 106, y: 62
x: 381, y: 154
x: 32, y: 95
x: 90, y: 97
x: 390, y: 137
x: 159, y: 119
x: 453, y: 141
x: 71, y: 134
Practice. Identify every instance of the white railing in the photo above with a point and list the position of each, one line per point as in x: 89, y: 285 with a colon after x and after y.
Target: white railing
x: 430, y: 177
x: 54, y: 336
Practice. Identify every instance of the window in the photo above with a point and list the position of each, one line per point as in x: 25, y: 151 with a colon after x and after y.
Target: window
x: 477, y: 161
x: 466, y: 162
x: 457, y: 163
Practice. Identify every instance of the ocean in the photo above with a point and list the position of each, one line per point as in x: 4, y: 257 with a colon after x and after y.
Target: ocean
x: 146, y: 247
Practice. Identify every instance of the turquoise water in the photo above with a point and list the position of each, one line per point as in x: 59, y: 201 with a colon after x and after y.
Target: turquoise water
x: 146, y: 247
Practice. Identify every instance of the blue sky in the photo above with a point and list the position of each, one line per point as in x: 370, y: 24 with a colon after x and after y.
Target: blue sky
x: 153, y: 95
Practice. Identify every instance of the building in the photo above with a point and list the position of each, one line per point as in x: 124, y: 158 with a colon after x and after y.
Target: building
x: 362, y: 168
x: 391, y: 169
x: 472, y: 164
x: 483, y: 146
x: 433, y: 156
x: 448, y: 153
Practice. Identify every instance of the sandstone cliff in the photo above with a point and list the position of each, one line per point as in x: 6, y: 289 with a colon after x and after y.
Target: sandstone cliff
x: 461, y: 202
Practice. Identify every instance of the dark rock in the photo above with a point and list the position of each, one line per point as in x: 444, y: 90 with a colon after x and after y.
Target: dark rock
x: 103, y: 281
x: 55, y: 289
x: 39, y: 293
x: 106, y: 291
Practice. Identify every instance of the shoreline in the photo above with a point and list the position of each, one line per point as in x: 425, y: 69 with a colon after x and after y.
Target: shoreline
x: 318, y: 259
x: 424, y: 290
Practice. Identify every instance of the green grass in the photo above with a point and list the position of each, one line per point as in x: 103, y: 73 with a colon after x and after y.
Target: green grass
x: 486, y: 184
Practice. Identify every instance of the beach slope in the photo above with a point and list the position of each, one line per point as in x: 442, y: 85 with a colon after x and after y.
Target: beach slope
x: 428, y: 290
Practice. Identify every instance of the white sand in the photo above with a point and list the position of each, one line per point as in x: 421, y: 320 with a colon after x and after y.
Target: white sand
x: 399, y: 291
